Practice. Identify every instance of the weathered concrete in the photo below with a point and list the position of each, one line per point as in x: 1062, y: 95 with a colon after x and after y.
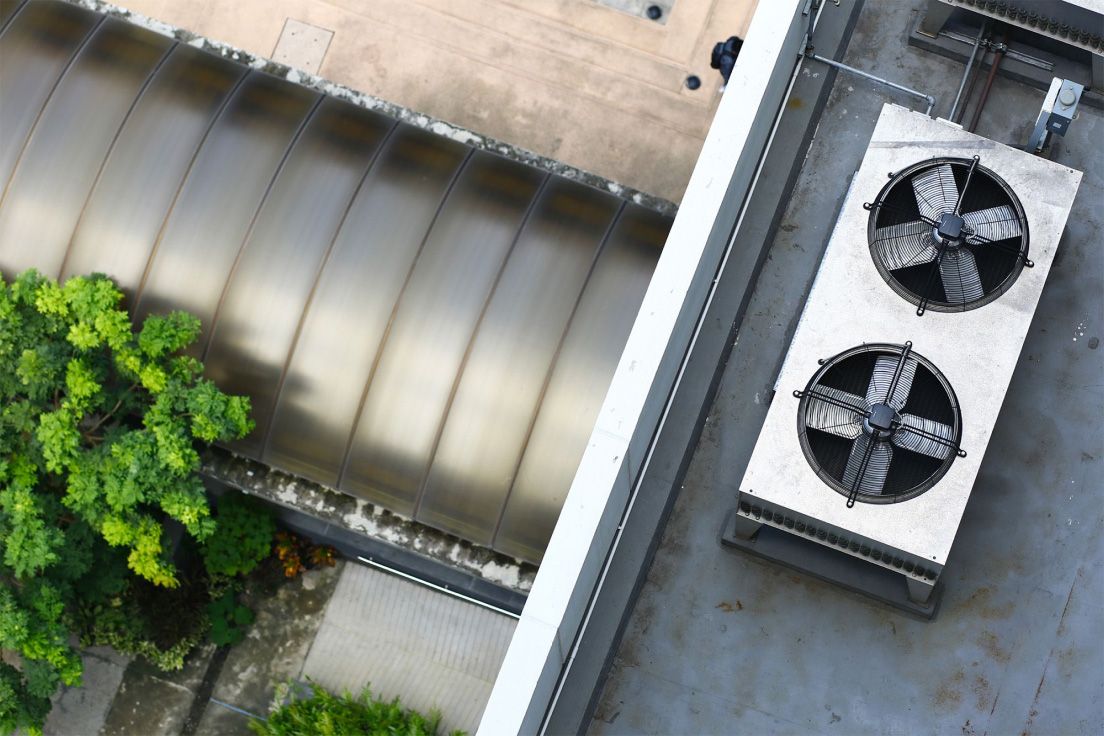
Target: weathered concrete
x: 273, y: 651
x: 640, y: 8
x: 152, y: 702
x: 82, y: 710
x: 573, y: 80
x: 721, y: 643
x: 189, y: 29
x: 302, y: 45
x: 435, y: 652
x: 357, y: 515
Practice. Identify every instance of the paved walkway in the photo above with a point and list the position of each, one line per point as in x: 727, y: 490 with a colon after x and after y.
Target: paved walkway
x: 345, y: 627
x: 405, y: 640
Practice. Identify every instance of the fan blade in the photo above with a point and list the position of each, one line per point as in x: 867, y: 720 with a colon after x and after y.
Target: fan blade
x: 995, y: 223
x: 878, y: 390
x: 832, y: 418
x: 936, y: 192
x: 919, y: 443
x: 873, y: 478
x: 961, y: 280
x: 905, y: 244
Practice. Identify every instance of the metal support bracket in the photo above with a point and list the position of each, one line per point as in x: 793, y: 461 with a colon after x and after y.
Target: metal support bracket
x: 867, y: 75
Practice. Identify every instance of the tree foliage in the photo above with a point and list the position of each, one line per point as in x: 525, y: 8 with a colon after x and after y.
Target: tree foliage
x: 99, y: 428
x: 326, y: 714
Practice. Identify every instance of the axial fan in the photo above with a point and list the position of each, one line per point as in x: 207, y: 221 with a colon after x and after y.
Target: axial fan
x: 879, y: 423
x: 948, y: 234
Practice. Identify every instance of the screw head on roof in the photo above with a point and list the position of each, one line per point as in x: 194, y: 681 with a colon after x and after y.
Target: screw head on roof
x: 692, y: 82
x: 654, y: 12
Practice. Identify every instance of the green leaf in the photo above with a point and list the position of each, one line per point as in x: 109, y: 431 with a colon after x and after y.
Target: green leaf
x: 100, y: 432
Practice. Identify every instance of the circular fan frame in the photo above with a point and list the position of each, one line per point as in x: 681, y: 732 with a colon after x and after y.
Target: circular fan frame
x: 838, y: 483
x: 883, y: 217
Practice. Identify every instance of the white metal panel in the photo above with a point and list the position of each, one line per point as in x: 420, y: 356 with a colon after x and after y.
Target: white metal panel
x: 850, y: 304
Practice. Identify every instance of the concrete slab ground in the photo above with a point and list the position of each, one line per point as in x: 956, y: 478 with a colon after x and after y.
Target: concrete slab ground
x: 273, y: 652
x: 79, y: 711
x: 153, y: 702
x: 575, y: 80
x: 435, y: 652
x: 722, y: 643
x: 302, y: 45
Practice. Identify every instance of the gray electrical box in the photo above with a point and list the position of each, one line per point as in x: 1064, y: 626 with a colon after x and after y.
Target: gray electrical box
x: 1058, y: 111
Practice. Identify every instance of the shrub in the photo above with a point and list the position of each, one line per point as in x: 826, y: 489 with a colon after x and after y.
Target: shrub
x: 325, y: 714
x: 297, y: 554
x: 21, y: 704
x: 229, y: 619
x: 242, y: 536
x: 162, y: 625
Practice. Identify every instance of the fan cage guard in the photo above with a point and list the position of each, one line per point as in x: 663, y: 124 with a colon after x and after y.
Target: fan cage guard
x: 836, y: 484
x: 880, y: 217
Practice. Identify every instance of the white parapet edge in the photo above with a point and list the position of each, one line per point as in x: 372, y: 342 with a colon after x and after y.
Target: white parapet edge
x: 647, y: 371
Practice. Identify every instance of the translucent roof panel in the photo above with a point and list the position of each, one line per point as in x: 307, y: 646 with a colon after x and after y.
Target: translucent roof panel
x: 420, y: 324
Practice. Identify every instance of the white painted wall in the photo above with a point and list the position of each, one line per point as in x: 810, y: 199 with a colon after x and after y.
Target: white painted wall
x: 647, y: 371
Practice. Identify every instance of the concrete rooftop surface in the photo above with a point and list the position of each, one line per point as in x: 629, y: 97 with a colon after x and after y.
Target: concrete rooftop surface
x: 592, y: 84
x: 720, y: 642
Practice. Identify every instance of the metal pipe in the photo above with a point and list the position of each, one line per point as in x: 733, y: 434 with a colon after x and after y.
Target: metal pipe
x: 998, y: 55
x: 1010, y: 53
x: 859, y: 72
x: 970, y: 87
x: 966, y: 72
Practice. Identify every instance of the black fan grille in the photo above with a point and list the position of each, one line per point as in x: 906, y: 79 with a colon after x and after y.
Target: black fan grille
x: 905, y: 215
x: 900, y: 465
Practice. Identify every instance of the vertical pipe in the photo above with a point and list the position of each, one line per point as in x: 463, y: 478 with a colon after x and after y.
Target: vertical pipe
x: 970, y: 87
x: 966, y: 72
x: 998, y: 56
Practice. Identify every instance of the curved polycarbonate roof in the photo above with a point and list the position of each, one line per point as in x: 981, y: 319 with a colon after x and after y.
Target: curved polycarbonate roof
x: 420, y: 324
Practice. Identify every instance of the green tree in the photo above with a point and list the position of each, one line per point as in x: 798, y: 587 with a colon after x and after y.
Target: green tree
x: 99, y: 429
x: 324, y: 714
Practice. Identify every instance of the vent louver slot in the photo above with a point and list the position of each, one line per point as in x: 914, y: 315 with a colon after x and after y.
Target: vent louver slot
x: 854, y: 547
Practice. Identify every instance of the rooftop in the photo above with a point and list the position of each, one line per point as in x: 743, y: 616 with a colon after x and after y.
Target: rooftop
x: 595, y: 85
x: 715, y: 641
x: 719, y: 642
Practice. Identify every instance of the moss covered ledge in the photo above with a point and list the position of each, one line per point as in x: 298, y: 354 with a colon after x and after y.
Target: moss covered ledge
x: 368, y: 520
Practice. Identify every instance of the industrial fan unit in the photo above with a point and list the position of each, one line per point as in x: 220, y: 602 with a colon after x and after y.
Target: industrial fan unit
x: 893, y: 413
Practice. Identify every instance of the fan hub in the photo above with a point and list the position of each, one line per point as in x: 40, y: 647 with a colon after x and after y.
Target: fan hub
x: 951, y: 230
x: 881, y: 423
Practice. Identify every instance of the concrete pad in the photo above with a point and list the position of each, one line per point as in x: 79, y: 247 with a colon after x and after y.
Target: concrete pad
x: 273, y: 651
x: 302, y: 45
x: 405, y: 640
x: 575, y: 80
x: 153, y: 702
x: 640, y: 8
x: 81, y: 710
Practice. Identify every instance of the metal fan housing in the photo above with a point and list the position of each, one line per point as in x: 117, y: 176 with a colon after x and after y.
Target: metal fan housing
x: 948, y: 239
x: 879, y: 423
